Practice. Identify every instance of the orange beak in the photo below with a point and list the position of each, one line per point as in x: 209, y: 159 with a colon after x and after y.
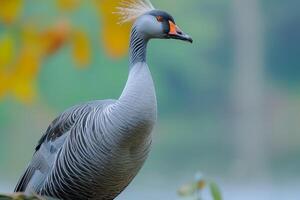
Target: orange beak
x: 176, y: 33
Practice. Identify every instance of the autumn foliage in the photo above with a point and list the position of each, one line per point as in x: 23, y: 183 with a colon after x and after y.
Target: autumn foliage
x: 25, y: 46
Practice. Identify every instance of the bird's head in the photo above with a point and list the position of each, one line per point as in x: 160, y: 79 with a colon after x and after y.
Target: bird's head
x: 150, y: 22
x: 160, y: 24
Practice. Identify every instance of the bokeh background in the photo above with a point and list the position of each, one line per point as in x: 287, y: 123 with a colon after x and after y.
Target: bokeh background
x: 229, y: 105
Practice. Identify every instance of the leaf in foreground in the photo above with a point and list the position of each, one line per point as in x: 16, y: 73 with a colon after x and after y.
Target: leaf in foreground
x: 215, y: 191
x: 21, y: 196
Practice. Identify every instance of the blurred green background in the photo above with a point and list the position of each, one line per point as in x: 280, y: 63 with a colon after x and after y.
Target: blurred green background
x: 229, y: 105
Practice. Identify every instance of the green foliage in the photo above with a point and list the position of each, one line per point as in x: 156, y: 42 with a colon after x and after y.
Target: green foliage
x: 195, y: 188
x: 215, y: 191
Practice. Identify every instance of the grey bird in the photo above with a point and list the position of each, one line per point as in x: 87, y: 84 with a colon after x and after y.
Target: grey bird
x: 94, y: 150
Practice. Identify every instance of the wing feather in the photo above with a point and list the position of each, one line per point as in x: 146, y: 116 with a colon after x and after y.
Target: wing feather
x: 24, y: 180
x: 44, y: 150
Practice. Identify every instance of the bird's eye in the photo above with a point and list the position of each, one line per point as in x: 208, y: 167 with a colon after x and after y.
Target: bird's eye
x: 160, y: 18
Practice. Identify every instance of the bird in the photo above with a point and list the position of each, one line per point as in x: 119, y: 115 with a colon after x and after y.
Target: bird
x: 94, y: 150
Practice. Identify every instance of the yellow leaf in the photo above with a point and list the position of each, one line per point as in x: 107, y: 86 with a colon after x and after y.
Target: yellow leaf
x: 68, y: 4
x: 19, y: 80
x: 30, y: 36
x: 4, y: 86
x: 81, y: 48
x: 24, y: 90
x: 28, y: 64
x: 7, y: 50
x: 115, y: 36
x: 10, y: 10
x: 22, y: 79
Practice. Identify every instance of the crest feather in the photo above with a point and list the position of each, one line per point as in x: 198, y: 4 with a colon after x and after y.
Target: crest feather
x: 130, y: 10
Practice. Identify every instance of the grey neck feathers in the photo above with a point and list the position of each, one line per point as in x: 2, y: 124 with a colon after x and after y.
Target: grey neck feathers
x: 137, y: 103
x: 138, y: 99
x: 138, y: 47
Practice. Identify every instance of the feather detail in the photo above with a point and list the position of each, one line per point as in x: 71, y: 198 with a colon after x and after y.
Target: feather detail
x: 130, y: 10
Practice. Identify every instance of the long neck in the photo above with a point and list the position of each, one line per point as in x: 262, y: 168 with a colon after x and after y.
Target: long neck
x: 138, y: 96
x: 138, y: 47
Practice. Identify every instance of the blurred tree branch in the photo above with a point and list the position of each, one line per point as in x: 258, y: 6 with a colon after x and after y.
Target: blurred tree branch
x: 24, y: 45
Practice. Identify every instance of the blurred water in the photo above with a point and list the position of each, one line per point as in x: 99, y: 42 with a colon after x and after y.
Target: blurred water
x: 167, y: 191
x: 257, y: 191
x: 6, y: 188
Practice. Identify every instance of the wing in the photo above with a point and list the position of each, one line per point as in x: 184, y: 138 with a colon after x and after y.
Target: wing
x: 50, y: 144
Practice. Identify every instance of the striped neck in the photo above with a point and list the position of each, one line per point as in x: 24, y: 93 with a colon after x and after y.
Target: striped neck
x: 138, y: 47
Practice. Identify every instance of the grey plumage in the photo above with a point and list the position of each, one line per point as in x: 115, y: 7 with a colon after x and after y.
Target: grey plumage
x: 94, y: 150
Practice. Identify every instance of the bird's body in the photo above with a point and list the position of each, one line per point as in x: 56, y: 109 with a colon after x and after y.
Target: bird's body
x: 94, y: 150
x: 104, y: 140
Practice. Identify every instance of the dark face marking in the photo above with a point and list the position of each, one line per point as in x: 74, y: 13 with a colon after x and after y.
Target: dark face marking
x: 165, y: 19
x: 163, y: 14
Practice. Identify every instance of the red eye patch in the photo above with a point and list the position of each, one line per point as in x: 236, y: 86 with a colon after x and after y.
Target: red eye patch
x: 160, y: 18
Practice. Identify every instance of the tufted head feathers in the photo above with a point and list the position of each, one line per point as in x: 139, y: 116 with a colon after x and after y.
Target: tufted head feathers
x: 150, y: 22
x: 130, y: 10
